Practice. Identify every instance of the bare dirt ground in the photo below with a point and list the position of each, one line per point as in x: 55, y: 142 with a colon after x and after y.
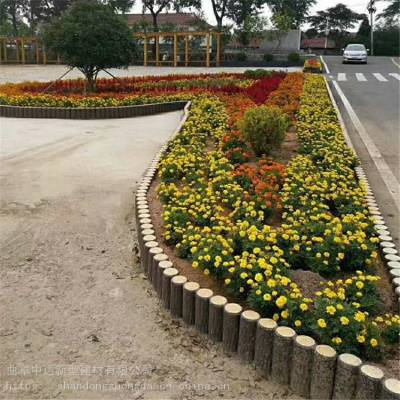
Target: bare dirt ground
x: 78, y: 319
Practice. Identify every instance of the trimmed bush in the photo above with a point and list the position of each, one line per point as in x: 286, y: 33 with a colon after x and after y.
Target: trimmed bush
x: 268, y: 57
x: 264, y: 128
x: 293, y: 57
x: 241, y: 56
x: 257, y: 73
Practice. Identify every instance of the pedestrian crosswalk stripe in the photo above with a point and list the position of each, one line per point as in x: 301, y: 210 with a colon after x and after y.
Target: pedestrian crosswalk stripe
x: 380, y: 77
x: 360, y: 77
x: 341, y: 77
x: 395, y: 75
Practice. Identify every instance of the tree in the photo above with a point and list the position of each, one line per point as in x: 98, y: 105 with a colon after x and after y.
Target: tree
x: 245, y: 15
x: 296, y: 10
x: 155, y: 7
x: 282, y: 24
x: 220, y: 9
x: 121, y: 6
x: 90, y: 37
x: 12, y: 11
x: 338, y: 19
x: 391, y: 14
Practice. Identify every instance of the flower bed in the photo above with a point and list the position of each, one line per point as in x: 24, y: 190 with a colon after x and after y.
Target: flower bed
x: 313, y: 65
x: 135, y: 91
x: 220, y: 213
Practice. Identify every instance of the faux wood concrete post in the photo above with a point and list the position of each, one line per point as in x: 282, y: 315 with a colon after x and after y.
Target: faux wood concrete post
x: 282, y: 354
x: 177, y: 283
x: 346, y: 377
x: 149, y: 243
x: 162, y: 266
x: 154, y: 268
x: 201, y: 309
x: 168, y: 274
x: 188, y: 306
x: 230, y: 331
x: 369, y: 382
x: 323, y: 372
x: 302, y: 359
x: 247, y: 335
x: 264, y: 342
x: 390, y: 389
x: 216, y: 317
x: 150, y: 260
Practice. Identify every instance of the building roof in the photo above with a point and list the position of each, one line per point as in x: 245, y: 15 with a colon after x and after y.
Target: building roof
x: 179, y: 19
x: 318, y: 43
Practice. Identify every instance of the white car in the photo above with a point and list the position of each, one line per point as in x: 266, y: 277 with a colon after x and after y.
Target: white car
x: 355, y: 53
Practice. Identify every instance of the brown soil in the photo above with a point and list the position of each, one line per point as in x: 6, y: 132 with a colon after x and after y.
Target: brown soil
x: 308, y: 281
x: 289, y: 148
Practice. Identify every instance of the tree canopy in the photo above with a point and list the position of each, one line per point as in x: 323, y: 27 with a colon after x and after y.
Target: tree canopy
x: 338, y: 19
x: 90, y: 37
x: 295, y: 10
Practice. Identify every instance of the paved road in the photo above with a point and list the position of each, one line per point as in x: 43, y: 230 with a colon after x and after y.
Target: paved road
x: 373, y: 93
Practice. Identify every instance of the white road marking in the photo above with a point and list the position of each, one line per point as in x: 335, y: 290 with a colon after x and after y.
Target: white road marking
x: 360, y: 77
x: 397, y: 76
x: 394, y: 62
x: 380, y: 77
x: 341, y: 76
x: 380, y: 163
x: 325, y: 65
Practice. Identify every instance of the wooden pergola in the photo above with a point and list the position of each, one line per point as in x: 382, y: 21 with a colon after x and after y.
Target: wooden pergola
x: 30, y: 50
x: 24, y: 50
x: 176, y: 36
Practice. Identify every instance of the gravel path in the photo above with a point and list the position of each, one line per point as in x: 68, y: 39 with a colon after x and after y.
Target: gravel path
x: 79, y: 320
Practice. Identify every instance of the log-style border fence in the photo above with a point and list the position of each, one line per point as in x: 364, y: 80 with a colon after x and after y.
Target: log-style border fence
x: 90, y: 112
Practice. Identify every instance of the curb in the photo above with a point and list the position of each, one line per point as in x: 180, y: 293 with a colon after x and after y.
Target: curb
x: 90, y: 112
x: 311, y: 370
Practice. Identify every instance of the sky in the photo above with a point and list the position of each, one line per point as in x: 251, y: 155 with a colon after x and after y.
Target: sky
x: 359, y: 6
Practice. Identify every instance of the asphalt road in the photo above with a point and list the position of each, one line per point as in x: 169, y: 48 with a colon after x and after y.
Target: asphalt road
x: 373, y: 93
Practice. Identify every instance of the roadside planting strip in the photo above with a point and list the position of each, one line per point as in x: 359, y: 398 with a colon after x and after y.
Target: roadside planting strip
x: 311, y: 370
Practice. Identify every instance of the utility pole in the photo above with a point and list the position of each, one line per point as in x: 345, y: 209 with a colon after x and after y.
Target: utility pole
x: 372, y: 9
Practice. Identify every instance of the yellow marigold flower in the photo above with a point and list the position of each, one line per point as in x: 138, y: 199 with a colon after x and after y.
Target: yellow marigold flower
x: 258, y: 292
x: 297, y: 323
x: 337, y: 340
x: 206, y: 272
x: 285, y: 314
x: 195, y: 264
x: 321, y: 323
x: 331, y: 310
x: 373, y: 342
x: 344, y: 320
x: 360, y: 338
x: 303, y: 307
x: 359, y: 316
x: 227, y: 281
x: 273, y: 260
x: 258, y: 277
x: 267, y: 297
x: 275, y: 317
x: 359, y: 284
x: 243, y: 275
x: 281, y: 301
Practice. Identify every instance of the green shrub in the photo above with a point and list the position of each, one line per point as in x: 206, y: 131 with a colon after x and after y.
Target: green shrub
x: 268, y: 57
x: 257, y: 73
x: 241, y: 56
x: 293, y: 57
x: 264, y: 128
